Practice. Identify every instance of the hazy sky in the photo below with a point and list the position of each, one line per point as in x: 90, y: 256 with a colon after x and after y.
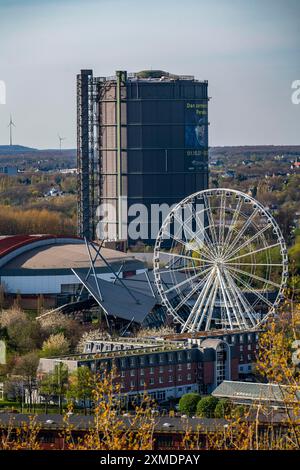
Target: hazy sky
x: 249, y: 51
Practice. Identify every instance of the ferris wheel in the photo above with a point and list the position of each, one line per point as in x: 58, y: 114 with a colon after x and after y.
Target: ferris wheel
x: 220, y: 261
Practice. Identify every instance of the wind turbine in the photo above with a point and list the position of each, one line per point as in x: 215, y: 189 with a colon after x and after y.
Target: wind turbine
x: 60, y: 141
x: 10, y: 125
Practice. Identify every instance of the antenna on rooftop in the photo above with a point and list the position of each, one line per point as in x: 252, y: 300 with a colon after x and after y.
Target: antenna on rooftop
x: 10, y: 125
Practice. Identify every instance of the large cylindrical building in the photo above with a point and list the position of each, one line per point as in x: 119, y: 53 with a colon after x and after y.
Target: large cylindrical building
x: 142, y: 142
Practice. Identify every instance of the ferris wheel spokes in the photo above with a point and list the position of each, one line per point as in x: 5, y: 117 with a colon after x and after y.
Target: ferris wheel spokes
x: 244, y: 228
x: 254, y: 252
x: 248, y: 241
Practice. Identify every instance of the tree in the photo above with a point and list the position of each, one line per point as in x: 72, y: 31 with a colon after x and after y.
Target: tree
x: 40, y: 304
x: 55, y: 384
x: 47, y: 388
x: 57, y: 322
x: 24, y: 336
x: 10, y: 316
x: 206, y: 407
x: 81, y: 386
x: 26, y: 368
x: 14, y: 390
x: 275, y: 363
x: 55, y: 345
x: 60, y: 382
x: 109, y: 431
x: 2, y: 295
x: 294, y: 253
x: 223, y: 408
x: 23, y: 333
x: 188, y: 403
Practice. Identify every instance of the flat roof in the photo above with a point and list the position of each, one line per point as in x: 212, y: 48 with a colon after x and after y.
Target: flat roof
x: 163, y: 424
x: 62, y: 256
x: 212, y: 333
x: 82, y: 422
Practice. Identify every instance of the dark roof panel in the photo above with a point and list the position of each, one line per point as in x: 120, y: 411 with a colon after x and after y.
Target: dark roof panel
x: 116, y: 300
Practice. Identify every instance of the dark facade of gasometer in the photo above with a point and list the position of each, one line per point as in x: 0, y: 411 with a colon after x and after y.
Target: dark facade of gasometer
x: 142, y: 137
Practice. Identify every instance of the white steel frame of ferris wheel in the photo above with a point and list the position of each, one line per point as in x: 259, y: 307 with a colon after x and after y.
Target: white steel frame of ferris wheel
x: 221, y: 274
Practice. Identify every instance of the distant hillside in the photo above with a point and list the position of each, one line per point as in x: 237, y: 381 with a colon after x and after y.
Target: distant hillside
x: 29, y: 159
x: 13, y: 149
x: 248, y: 150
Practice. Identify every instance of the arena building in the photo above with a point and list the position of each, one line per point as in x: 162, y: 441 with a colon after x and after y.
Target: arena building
x: 41, y: 265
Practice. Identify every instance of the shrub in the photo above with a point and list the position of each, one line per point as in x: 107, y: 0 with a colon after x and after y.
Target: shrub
x: 188, y: 403
x: 55, y: 345
x: 206, y: 407
x: 223, y: 408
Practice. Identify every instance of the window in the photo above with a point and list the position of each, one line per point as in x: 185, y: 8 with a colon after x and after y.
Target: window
x: 161, y: 358
x: 179, y: 356
x: 151, y: 360
x: 132, y: 373
x: 165, y: 442
x: 132, y: 361
x: 132, y: 384
x: 47, y: 438
x: 142, y: 372
x: 151, y: 381
x: 170, y: 378
x: 161, y: 369
x: 189, y: 355
x: 170, y: 369
x: 189, y: 366
x: 161, y: 380
x: 142, y: 361
x: 170, y: 357
x: 123, y: 362
x: 249, y: 347
x: 122, y: 373
x: 249, y: 338
x: 151, y: 370
x: 233, y: 339
x: 241, y: 348
x: 179, y: 378
x: 241, y: 358
x: 179, y: 366
x: 142, y: 382
x: 189, y: 376
x: 249, y: 357
x: 241, y: 339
